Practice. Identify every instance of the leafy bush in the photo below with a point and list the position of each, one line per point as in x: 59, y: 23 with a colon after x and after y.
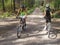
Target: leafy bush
x: 30, y: 11
x: 57, y: 15
x: 42, y: 8
x: 6, y: 14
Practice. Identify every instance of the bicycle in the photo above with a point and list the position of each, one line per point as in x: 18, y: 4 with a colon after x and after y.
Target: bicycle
x: 51, y: 33
x: 21, y: 27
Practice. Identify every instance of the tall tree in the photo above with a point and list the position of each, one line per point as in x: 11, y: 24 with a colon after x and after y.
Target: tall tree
x: 11, y: 4
x: 14, y: 5
x: 3, y: 5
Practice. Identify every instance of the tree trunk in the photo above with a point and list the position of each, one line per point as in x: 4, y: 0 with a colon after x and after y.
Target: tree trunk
x: 11, y: 4
x: 14, y: 5
x: 3, y: 6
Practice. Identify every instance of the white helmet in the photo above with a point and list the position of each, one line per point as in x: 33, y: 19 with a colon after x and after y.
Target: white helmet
x: 47, y: 5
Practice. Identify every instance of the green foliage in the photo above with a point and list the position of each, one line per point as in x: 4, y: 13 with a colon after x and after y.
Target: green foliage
x: 30, y: 11
x: 42, y: 8
x: 8, y: 4
x: 55, y: 4
x: 6, y: 14
x: 0, y: 5
x: 56, y: 15
x: 52, y: 4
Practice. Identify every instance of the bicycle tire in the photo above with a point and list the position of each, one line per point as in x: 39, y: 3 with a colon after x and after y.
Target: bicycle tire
x: 52, y: 34
x: 19, y: 32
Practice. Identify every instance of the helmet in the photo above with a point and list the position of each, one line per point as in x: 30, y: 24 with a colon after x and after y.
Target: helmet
x: 47, y: 5
x: 23, y: 6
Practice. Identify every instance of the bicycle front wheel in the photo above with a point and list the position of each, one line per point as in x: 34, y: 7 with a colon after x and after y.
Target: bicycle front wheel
x: 19, y: 30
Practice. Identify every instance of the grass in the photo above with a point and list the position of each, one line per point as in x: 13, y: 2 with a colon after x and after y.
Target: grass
x: 5, y: 15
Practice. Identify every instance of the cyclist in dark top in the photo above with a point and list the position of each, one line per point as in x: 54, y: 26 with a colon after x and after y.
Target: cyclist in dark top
x: 47, y: 13
x: 47, y: 16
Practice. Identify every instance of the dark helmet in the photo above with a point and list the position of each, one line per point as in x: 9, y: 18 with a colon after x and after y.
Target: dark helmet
x: 23, y: 6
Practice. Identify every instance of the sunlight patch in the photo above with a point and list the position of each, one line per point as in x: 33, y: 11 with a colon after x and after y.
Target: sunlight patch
x: 25, y: 39
x: 35, y: 16
x: 32, y: 23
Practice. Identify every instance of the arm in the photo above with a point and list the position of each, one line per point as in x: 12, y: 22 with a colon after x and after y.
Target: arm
x: 26, y: 12
x: 44, y: 13
x: 18, y: 12
x: 51, y: 13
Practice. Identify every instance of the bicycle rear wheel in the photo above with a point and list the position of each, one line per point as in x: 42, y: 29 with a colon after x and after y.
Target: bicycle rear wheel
x: 52, y: 35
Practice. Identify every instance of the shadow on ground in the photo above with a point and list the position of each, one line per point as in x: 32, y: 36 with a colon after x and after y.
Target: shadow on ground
x: 45, y: 42
x: 56, y: 26
x: 11, y: 24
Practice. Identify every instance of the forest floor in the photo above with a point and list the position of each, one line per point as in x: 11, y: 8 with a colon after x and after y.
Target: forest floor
x: 33, y: 35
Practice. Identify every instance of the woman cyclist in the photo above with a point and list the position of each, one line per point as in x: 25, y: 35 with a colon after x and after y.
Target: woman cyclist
x: 22, y: 14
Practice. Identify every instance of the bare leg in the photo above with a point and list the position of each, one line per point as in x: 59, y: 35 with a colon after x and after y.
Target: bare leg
x: 45, y: 27
x: 49, y: 26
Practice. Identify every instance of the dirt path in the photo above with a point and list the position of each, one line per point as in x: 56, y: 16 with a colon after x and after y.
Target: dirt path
x: 35, y: 25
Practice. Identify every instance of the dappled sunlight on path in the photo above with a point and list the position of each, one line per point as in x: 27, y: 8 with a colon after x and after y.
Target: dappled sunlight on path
x: 33, y: 34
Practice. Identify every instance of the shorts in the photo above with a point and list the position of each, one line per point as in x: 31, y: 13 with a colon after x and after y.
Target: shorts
x: 48, y: 19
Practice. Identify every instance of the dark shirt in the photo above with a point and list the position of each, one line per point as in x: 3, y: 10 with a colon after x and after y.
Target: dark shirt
x: 48, y: 12
x: 48, y: 16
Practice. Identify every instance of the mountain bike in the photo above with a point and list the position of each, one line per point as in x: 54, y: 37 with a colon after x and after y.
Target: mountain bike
x: 51, y: 32
x: 21, y: 27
